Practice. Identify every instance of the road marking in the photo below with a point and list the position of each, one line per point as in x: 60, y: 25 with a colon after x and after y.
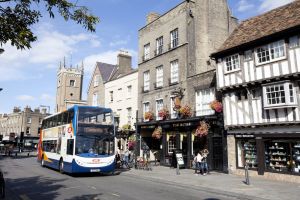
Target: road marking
x: 24, y: 197
x: 115, y: 194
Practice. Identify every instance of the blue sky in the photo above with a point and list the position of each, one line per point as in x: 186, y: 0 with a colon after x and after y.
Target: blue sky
x: 28, y: 77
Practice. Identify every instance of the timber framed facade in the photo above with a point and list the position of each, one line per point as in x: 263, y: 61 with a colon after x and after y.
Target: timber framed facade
x: 258, y: 70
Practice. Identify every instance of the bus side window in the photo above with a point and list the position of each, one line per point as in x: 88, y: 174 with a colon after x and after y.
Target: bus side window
x: 65, y: 118
x: 71, y: 116
x: 70, y: 146
x: 59, y: 119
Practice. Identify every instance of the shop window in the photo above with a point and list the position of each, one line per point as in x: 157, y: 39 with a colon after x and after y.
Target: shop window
x: 283, y: 156
x: 246, y: 153
x: 171, y: 143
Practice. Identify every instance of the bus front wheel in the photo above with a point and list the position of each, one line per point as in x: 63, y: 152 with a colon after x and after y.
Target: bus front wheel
x: 61, y: 166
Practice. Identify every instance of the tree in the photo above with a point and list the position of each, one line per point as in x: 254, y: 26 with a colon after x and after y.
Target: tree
x: 17, y: 17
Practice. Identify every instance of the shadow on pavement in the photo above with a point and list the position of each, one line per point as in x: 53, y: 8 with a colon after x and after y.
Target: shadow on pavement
x: 116, y: 173
x: 87, y: 197
x: 35, y: 187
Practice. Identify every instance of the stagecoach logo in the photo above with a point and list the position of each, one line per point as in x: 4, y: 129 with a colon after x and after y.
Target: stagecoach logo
x: 96, y: 161
x: 69, y: 129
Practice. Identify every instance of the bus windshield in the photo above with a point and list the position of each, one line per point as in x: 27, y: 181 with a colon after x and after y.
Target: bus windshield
x: 95, y: 133
x: 94, y: 144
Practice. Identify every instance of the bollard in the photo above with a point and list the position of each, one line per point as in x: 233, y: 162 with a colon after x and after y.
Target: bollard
x: 247, y: 174
x: 177, y: 170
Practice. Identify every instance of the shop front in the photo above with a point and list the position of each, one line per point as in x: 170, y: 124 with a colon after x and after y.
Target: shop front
x: 269, y: 153
x: 179, y: 134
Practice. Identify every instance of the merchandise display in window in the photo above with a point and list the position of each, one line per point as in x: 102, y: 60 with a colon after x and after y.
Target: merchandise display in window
x: 295, y: 163
x: 277, y: 156
x: 247, y: 153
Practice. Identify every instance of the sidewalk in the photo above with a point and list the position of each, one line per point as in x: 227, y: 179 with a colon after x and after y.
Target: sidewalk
x: 230, y: 185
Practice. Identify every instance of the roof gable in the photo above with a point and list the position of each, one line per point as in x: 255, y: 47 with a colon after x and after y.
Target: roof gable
x: 272, y: 22
x: 105, y: 70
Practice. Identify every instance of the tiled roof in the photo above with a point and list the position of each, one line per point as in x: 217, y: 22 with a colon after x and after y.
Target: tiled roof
x: 105, y: 70
x: 272, y: 22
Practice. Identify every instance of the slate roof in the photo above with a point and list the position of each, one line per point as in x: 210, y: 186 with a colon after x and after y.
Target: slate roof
x: 117, y: 74
x: 273, y: 22
x: 106, y: 70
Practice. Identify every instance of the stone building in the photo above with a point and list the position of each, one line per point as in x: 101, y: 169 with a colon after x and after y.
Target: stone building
x: 96, y: 89
x: 69, y: 87
x: 27, y: 121
x: 174, y: 66
x: 258, y: 75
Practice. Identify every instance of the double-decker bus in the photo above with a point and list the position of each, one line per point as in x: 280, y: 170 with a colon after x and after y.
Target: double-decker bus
x: 78, y: 140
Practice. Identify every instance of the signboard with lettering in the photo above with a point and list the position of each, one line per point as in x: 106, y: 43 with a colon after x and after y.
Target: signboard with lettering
x: 179, y: 159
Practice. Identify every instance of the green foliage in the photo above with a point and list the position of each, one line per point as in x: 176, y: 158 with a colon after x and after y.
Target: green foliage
x: 17, y: 17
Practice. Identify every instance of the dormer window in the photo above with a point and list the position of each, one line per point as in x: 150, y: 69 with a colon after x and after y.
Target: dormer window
x: 232, y: 63
x: 279, y: 95
x: 270, y: 52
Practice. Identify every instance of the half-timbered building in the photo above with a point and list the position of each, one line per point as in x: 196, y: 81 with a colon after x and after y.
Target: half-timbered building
x: 258, y: 70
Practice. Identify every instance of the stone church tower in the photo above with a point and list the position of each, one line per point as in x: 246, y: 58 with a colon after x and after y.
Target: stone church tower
x: 69, y: 87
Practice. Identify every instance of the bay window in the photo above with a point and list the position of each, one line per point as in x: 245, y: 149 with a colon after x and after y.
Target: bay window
x: 281, y: 94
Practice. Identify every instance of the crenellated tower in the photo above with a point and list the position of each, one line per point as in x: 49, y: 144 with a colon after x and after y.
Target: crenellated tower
x: 69, y: 86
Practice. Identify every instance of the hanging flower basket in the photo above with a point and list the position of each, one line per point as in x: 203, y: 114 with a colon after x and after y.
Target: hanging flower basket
x: 126, y: 128
x: 185, y: 111
x: 131, y: 144
x: 148, y: 116
x: 163, y: 114
x: 157, y: 133
x: 177, y: 103
x: 216, y: 106
x: 202, y: 129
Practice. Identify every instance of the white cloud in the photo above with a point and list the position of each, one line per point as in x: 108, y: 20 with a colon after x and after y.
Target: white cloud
x: 25, y: 98
x: 47, y: 97
x: 267, y: 5
x: 118, y: 43
x: 47, y: 52
x: 109, y: 57
x: 244, y: 5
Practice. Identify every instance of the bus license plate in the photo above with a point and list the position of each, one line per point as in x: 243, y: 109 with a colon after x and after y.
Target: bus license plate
x: 95, y: 170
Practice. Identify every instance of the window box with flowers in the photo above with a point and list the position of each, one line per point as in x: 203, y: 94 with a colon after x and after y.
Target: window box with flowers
x: 148, y: 116
x: 157, y: 133
x: 163, y: 114
x: 202, y: 129
x: 185, y: 111
x: 216, y: 106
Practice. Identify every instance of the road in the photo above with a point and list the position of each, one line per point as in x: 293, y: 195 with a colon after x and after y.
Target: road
x: 29, y: 181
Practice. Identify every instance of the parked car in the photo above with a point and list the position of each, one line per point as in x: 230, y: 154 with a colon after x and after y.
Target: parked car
x: 2, y: 186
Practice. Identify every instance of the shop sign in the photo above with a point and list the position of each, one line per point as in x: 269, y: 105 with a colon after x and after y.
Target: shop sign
x: 182, y: 125
x: 244, y: 136
x: 179, y: 159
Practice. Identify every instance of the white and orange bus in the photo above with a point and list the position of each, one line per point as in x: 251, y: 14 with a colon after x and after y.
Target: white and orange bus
x: 78, y: 140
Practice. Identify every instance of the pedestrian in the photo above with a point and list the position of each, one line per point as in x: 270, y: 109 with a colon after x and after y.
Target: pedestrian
x: 205, y: 153
x: 126, y: 156
x: 199, y: 165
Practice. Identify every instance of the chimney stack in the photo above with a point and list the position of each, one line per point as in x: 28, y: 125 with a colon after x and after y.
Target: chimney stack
x: 152, y: 16
x: 124, y: 62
